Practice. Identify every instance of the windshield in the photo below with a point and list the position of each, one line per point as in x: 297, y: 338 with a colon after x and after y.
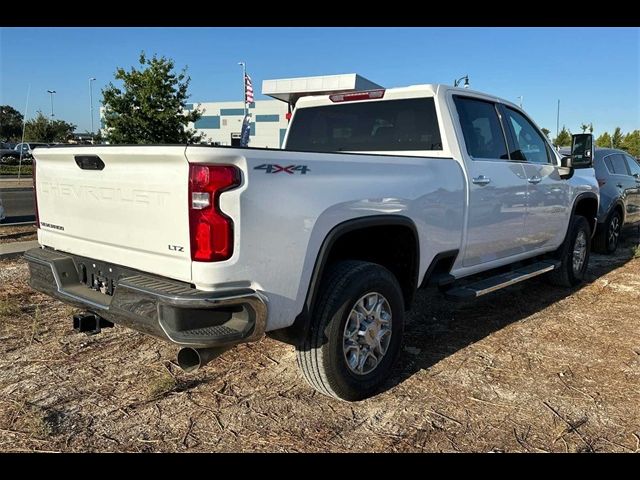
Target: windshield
x: 387, y: 125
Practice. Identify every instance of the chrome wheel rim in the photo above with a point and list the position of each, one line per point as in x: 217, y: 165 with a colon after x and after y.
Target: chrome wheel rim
x: 367, y: 333
x: 579, y: 251
x: 614, y: 232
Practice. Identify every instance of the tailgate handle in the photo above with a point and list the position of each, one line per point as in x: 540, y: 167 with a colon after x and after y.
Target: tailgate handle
x: 89, y: 162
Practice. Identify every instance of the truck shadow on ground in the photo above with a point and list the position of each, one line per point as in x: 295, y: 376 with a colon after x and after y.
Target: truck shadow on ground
x: 436, y: 328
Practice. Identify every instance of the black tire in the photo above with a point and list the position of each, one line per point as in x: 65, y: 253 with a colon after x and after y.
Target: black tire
x: 566, y: 275
x: 320, y: 354
x: 608, y: 233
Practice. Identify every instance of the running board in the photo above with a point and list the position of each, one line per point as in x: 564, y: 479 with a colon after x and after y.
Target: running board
x: 503, y: 280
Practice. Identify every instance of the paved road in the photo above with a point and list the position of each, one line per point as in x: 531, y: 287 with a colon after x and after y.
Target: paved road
x: 18, y: 204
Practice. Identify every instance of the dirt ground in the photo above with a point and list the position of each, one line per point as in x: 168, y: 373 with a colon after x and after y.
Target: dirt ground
x: 529, y: 369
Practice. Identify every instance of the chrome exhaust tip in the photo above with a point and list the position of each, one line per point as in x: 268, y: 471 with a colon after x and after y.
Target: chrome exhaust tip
x: 191, y: 359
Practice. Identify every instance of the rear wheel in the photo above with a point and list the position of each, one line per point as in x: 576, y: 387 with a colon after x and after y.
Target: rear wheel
x: 573, y: 254
x: 608, y: 234
x: 355, y: 332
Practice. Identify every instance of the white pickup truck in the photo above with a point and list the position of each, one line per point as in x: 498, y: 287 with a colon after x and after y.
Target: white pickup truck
x: 324, y: 243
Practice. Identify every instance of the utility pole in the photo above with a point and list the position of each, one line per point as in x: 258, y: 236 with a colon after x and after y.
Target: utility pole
x: 521, y: 98
x: 91, y: 79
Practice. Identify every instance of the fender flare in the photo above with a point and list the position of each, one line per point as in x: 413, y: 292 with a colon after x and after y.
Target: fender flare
x: 593, y: 222
x: 299, y: 327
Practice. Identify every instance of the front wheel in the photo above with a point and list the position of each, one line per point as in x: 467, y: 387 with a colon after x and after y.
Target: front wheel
x: 355, y: 332
x: 573, y: 254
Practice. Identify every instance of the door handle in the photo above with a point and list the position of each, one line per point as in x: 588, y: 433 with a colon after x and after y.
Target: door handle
x: 481, y: 180
x: 535, y: 180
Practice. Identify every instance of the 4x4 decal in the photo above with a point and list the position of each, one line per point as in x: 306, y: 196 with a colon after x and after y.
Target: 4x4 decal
x: 290, y: 169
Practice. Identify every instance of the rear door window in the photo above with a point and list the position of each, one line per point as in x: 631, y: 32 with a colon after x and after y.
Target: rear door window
x: 481, y: 129
x: 388, y: 125
x: 616, y: 164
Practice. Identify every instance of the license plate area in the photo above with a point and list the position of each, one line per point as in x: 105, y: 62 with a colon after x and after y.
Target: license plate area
x: 98, y: 276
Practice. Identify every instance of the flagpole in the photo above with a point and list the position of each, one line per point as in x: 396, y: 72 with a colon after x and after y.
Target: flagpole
x: 244, y: 86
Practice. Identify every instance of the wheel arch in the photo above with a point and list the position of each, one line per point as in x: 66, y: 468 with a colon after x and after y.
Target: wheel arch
x: 586, y: 205
x: 328, y: 247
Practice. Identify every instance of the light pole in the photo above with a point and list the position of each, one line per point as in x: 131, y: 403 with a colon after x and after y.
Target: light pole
x: 91, y: 79
x: 51, y: 92
x: 558, y: 120
x: 466, y: 81
x: 521, y: 98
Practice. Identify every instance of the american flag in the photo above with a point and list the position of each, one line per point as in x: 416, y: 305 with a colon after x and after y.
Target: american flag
x: 248, y: 89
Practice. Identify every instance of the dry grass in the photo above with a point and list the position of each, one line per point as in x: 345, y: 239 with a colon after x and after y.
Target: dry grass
x: 530, y: 369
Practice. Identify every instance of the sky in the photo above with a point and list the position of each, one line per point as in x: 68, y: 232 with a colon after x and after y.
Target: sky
x: 594, y: 72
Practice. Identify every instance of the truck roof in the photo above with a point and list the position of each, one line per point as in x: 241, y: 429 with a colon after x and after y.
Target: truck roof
x: 411, y: 91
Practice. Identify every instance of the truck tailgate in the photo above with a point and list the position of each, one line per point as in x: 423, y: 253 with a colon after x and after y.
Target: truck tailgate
x: 132, y: 212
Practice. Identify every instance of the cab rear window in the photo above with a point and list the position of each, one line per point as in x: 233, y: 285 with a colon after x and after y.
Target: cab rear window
x: 389, y: 125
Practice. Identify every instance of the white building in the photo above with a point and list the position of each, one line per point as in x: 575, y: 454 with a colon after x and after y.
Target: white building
x: 221, y: 122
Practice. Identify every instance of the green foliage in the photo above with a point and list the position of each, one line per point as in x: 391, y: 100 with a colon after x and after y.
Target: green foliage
x: 546, y: 132
x: 616, y: 138
x: 604, y: 140
x: 10, y: 124
x: 42, y: 129
x: 150, y: 106
x: 631, y: 143
x: 97, y: 138
x: 564, y: 138
x: 584, y: 127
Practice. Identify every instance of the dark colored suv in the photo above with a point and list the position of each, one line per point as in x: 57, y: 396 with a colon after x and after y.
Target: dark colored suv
x: 618, y: 175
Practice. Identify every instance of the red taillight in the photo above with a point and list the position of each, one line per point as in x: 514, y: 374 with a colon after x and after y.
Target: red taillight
x: 210, y: 230
x: 350, y: 97
x: 35, y: 193
x: 601, y: 182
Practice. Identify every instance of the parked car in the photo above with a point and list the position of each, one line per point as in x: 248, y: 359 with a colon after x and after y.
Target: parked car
x: 2, y: 214
x: 12, y: 157
x: 27, y: 148
x: 322, y: 244
x: 7, y: 153
x: 618, y: 175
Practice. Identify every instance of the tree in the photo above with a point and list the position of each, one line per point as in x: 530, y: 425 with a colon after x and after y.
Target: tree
x: 564, y: 138
x: 42, y: 129
x: 546, y: 132
x: 10, y: 124
x: 631, y: 143
x: 584, y: 127
x: 591, y: 128
x: 97, y: 137
x: 604, y: 140
x: 616, y: 138
x: 150, y: 107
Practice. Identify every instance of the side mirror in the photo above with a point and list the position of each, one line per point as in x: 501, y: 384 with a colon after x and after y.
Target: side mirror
x: 582, y: 150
